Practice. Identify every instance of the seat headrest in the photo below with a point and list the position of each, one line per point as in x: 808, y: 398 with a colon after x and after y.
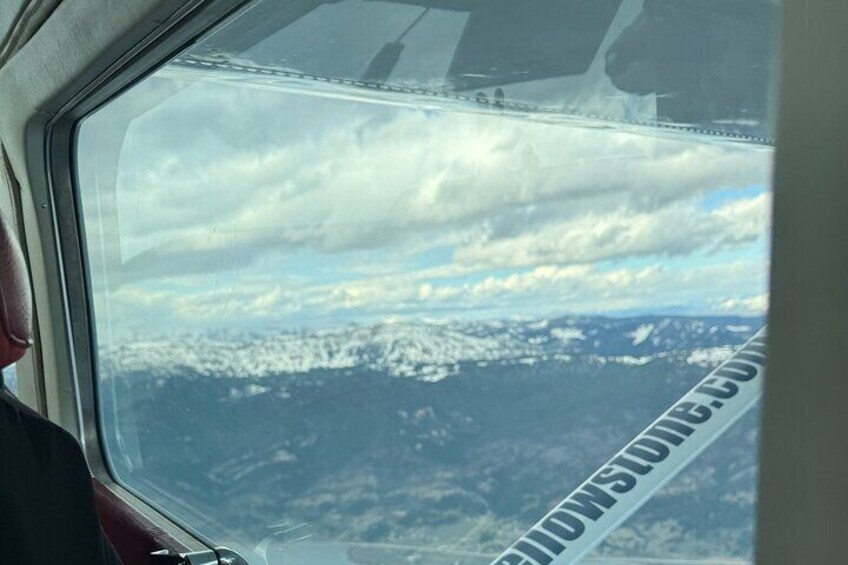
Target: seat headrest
x: 15, y: 299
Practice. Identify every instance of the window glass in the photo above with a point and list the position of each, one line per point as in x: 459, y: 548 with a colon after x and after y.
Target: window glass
x: 378, y: 282
x: 10, y: 379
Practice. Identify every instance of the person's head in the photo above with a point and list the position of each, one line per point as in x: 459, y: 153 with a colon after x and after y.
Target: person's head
x: 15, y: 298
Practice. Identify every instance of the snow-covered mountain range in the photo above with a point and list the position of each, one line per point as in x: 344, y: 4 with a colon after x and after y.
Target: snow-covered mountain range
x: 432, y: 350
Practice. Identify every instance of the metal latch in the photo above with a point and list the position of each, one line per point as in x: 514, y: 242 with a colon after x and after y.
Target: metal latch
x: 217, y: 556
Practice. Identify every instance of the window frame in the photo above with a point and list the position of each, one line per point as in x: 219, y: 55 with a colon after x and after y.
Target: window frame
x: 49, y: 145
x: 50, y: 142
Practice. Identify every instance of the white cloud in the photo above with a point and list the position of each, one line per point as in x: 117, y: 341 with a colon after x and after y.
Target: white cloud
x: 756, y: 304
x: 549, y: 290
x: 674, y: 230
x: 211, y: 213
x: 243, y: 176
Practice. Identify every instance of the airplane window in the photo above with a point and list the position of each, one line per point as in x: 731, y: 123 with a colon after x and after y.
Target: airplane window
x: 378, y: 282
x: 10, y: 379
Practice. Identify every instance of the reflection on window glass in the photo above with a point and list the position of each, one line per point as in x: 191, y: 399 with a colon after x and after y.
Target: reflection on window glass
x: 378, y: 282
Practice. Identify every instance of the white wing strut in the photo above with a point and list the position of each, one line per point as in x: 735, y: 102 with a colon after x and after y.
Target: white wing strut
x: 590, y: 513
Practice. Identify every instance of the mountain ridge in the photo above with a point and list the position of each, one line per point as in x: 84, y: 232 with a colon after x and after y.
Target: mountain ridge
x: 432, y: 351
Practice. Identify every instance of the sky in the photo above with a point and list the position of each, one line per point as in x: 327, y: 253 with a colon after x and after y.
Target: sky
x: 209, y: 204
